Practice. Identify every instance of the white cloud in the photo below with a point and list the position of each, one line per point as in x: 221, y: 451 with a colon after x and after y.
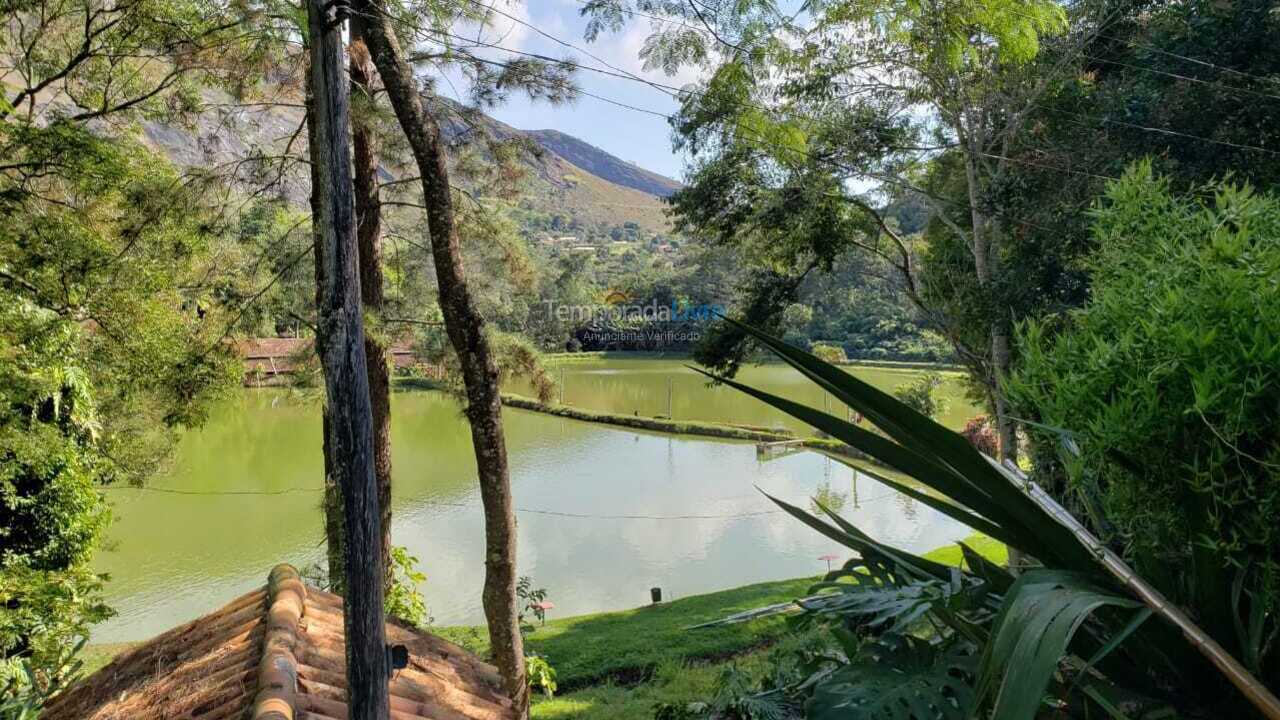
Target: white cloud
x: 622, y: 50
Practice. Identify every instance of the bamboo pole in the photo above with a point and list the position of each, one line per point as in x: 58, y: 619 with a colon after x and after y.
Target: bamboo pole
x: 1245, y: 682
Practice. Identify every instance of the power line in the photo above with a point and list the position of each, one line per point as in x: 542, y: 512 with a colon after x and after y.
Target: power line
x: 1188, y: 78
x: 559, y: 41
x: 1187, y: 58
x: 468, y: 506
x: 612, y: 71
x: 593, y: 516
x: 671, y: 90
x: 532, y: 511
x: 1134, y: 43
x: 672, y: 21
x: 1161, y: 131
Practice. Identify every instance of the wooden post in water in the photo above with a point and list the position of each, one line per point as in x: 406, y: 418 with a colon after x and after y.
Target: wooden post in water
x: 342, y: 352
x: 669, y: 415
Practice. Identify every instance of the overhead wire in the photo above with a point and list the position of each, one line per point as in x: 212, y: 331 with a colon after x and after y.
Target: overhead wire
x: 467, y: 506
x: 675, y: 92
x: 1189, y: 59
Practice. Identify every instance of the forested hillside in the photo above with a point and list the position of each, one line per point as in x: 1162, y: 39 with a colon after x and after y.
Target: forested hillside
x: 579, y: 223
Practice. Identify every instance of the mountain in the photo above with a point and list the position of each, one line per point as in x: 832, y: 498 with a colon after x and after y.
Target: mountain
x: 591, y: 189
x: 571, y: 187
x: 602, y: 164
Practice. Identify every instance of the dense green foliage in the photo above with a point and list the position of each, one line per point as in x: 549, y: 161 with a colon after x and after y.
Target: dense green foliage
x: 1166, y: 382
x: 996, y: 644
x: 1189, y: 85
x: 103, y: 354
x: 921, y: 395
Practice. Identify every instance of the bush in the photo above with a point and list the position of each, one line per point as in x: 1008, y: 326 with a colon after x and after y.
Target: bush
x: 921, y: 395
x: 833, y: 354
x: 1167, y: 381
x: 981, y: 433
x: 403, y: 598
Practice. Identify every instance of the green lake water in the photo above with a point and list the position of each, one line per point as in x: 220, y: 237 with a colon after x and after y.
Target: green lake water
x: 605, y: 513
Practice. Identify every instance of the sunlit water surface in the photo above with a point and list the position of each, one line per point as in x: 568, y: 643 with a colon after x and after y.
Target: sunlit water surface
x: 605, y: 513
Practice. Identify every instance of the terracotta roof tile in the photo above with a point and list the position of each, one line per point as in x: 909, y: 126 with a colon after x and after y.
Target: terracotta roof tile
x: 277, y: 649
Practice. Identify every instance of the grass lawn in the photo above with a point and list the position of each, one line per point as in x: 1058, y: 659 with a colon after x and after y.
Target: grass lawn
x: 678, y: 672
x: 618, y: 665
x: 97, y: 655
x: 630, y: 644
x: 673, y: 682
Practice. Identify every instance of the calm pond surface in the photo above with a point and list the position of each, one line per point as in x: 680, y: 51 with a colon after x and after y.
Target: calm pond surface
x: 606, y: 513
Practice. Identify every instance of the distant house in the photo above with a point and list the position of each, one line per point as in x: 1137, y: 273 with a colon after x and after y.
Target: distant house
x: 268, y: 359
x: 277, y: 653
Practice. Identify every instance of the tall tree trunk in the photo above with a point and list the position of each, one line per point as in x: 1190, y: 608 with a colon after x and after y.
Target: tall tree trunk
x: 334, y: 528
x: 369, y: 240
x: 466, y: 330
x: 341, y: 343
x: 986, y: 259
x: 986, y: 267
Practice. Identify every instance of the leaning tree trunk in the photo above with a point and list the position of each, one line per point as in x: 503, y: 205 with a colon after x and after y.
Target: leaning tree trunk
x: 466, y: 330
x: 341, y: 342
x: 369, y: 240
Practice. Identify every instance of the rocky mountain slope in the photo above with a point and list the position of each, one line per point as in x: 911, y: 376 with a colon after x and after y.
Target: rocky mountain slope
x: 602, y: 164
x: 583, y: 185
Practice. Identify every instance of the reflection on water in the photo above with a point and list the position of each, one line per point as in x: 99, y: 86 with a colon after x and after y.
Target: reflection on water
x: 605, y: 513
x: 635, y: 385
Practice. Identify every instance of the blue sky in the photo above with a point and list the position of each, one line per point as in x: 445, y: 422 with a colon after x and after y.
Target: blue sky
x: 641, y: 138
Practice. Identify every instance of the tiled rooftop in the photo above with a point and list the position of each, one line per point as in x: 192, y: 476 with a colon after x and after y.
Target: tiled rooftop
x: 279, y: 650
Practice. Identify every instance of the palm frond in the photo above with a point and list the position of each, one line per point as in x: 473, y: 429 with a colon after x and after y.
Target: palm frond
x: 1042, y: 612
x: 898, y: 677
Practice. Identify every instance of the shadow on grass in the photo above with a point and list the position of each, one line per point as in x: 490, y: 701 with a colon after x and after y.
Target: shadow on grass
x: 625, y: 647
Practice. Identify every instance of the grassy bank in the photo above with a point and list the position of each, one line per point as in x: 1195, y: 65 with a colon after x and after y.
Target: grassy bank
x: 726, y: 431
x: 568, y: 357
x: 628, y: 645
x: 639, y: 422
x: 729, y: 431
x: 618, y: 665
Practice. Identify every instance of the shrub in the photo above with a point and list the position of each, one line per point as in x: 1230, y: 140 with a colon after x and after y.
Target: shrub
x: 920, y: 639
x: 981, y: 433
x: 403, y: 598
x: 833, y: 354
x: 1167, y: 383
x: 921, y: 395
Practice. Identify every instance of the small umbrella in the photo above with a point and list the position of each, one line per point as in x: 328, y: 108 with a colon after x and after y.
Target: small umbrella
x: 543, y: 607
x: 828, y: 558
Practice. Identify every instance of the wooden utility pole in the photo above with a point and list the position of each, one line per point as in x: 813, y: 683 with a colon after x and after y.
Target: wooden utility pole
x: 368, y: 207
x: 342, y: 352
